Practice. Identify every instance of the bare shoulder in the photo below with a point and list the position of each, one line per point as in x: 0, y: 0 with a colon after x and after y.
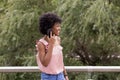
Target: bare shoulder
x: 40, y: 45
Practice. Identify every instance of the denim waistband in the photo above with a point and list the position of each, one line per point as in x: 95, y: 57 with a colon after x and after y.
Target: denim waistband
x: 45, y: 76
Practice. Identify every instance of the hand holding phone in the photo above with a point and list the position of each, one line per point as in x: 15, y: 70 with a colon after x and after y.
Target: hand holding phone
x: 51, y: 36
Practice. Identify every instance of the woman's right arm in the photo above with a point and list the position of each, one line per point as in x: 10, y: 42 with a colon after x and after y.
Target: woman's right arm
x: 43, y: 56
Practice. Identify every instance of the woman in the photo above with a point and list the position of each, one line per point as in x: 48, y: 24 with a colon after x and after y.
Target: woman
x: 49, y: 56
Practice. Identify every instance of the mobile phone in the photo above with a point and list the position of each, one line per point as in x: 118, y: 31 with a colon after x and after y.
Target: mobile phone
x: 49, y: 31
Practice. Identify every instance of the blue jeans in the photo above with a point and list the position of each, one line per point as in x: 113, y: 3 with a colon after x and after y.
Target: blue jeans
x: 59, y: 76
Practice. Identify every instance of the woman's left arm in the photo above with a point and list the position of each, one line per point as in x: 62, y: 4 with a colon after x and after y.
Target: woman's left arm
x: 65, y: 74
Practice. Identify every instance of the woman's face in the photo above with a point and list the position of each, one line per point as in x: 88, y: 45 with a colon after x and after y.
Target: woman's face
x: 56, y: 29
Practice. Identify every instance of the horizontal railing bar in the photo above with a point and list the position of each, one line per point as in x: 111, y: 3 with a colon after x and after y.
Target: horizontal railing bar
x: 68, y: 68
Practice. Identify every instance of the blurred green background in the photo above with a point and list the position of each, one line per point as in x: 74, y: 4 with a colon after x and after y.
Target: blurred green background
x: 90, y: 35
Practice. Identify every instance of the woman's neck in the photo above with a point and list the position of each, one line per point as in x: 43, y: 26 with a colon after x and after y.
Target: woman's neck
x: 46, y: 38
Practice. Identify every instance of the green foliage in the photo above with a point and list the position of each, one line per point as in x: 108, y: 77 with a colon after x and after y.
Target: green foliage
x: 90, y: 34
x: 19, y: 32
x: 91, y: 31
x: 115, y: 2
x: 92, y: 28
x: 19, y: 27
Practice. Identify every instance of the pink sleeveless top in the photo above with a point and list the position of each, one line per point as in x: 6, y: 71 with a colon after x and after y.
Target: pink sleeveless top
x: 56, y: 63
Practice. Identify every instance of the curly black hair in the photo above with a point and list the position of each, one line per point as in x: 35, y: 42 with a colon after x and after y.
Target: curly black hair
x: 47, y: 21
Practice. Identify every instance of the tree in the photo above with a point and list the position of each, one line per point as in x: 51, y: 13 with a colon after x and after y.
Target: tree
x: 92, y: 28
x: 19, y: 32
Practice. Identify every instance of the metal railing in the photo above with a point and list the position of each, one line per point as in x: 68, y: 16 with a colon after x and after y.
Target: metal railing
x: 68, y: 68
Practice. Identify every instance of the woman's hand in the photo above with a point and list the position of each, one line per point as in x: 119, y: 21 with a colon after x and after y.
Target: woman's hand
x: 52, y: 39
x: 66, y: 78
